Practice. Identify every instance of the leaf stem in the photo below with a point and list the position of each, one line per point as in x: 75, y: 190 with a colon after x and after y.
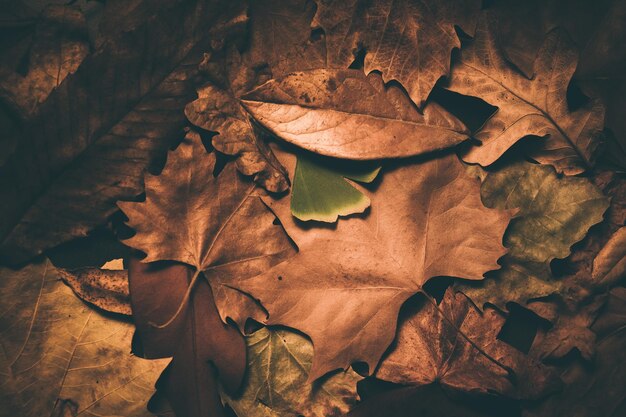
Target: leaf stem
x: 183, y: 302
x: 510, y: 372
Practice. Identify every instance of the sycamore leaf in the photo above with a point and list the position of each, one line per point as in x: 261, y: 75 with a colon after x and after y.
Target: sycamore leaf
x: 60, y: 353
x: 372, y: 265
x: 59, y: 47
x: 428, y: 349
x: 609, y: 266
x: 344, y: 114
x: 408, y: 41
x: 99, y: 130
x: 106, y: 289
x: 213, y: 224
x: 217, y: 109
x: 276, y: 384
x: 537, y: 106
x: 554, y: 213
x: 320, y: 191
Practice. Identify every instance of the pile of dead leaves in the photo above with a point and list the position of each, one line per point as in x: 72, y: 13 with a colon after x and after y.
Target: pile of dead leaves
x: 314, y: 208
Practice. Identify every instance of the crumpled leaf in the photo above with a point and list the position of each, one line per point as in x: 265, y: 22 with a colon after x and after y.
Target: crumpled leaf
x: 60, y: 44
x: 121, y: 111
x: 104, y: 288
x: 276, y: 384
x: 320, y: 191
x: 192, y: 217
x: 344, y: 114
x: 429, y: 349
x: 554, y: 213
x: 216, y: 225
x: 408, y: 41
x: 217, y: 109
x: 570, y: 328
x: 609, y: 266
x: 538, y: 106
x: 60, y: 353
x: 199, y: 342
x: 372, y: 265
x: 595, y: 391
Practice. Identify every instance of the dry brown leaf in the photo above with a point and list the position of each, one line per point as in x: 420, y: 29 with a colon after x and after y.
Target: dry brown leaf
x: 537, y: 106
x: 346, y: 284
x: 408, y: 41
x: 104, y: 288
x: 609, y: 266
x: 429, y: 349
x: 342, y: 113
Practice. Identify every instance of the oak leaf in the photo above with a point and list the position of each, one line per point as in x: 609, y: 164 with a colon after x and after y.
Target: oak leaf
x: 429, y: 349
x: 536, y: 106
x: 371, y: 265
x: 554, y: 214
x: 408, y: 41
x: 59, y: 352
x: 344, y: 114
x: 276, y: 384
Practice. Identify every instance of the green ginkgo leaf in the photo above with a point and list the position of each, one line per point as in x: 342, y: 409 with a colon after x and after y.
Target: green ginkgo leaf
x: 277, y: 381
x: 320, y: 190
x: 554, y: 213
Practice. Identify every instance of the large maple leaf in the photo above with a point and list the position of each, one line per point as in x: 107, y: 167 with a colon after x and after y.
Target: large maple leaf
x: 408, y: 41
x: 536, y: 106
x: 346, y: 284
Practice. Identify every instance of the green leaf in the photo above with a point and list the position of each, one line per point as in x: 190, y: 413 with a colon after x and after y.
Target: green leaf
x: 320, y: 191
x: 60, y: 355
x: 553, y: 213
x: 276, y: 385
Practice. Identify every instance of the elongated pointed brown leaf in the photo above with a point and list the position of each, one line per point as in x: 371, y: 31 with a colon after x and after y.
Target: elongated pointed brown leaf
x: 408, y: 41
x: 429, y: 349
x: 342, y: 113
x: 346, y: 284
x: 106, y: 289
x: 537, y: 106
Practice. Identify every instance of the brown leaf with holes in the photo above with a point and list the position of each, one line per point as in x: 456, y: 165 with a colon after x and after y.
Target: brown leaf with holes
x: 430, y: 349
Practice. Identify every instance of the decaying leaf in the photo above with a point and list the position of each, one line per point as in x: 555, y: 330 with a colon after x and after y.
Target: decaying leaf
x: 554, y: 213
x: 59, y: 47
x: 59, y: 352
x: 408, y: 41
x: 537, y: 106
x: 429, y: 349
x: 104, y: 288
x: 320, y: 191
x: 217, y: 109
x: 343, y: 114
x: 99, y: 130
x: 372, y: 265
x: 276, y: 384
